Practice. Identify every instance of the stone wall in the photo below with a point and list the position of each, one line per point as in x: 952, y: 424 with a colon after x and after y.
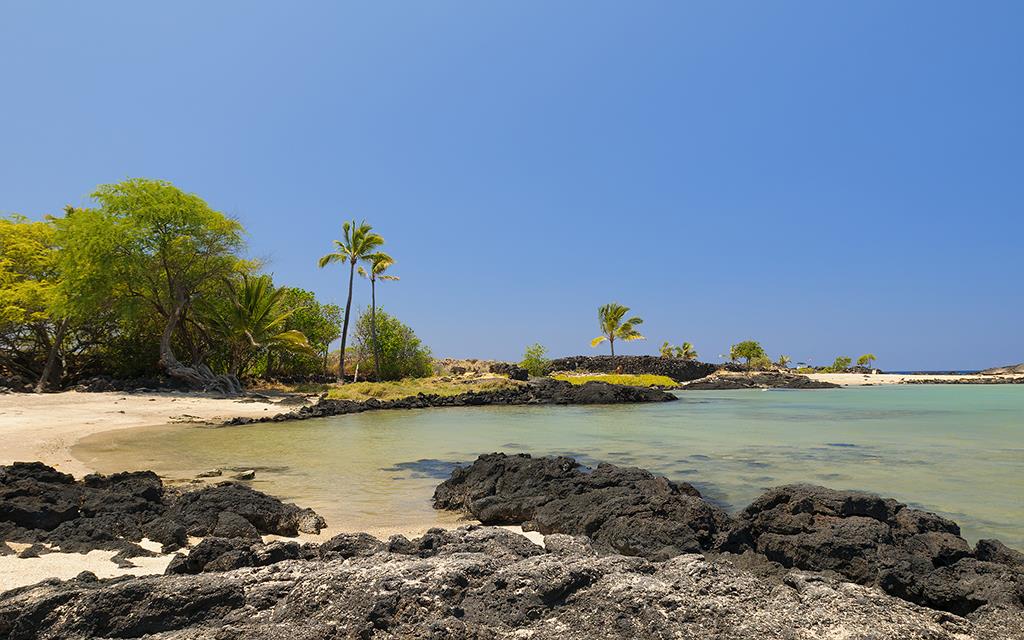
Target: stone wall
x: 676, y: 368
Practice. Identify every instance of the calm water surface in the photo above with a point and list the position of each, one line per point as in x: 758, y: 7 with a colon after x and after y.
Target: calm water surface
x: 956, y: 450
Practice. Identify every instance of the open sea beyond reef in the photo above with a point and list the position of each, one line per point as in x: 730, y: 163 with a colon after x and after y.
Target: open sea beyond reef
x: 955, y: 450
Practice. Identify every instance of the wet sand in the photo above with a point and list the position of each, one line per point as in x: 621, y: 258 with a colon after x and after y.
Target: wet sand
x: 44, y: 427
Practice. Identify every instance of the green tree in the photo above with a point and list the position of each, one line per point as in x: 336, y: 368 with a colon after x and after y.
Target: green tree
x: 32, y: 325
x: 783, y: 361
x: 760, y: 363
x: 320, y: 323
x: 842, y: 363
x: 253, y: 323
x: 866, y: 360
x: 149, y: 244
x: 402, y: 354
x: 610, y: 318
x: 534, y: 360
x: 358, y: 243
x: 748, y: 349
x: 379, y: 263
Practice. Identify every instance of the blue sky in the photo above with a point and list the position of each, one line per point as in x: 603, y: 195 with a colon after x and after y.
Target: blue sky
x: 828, y: 178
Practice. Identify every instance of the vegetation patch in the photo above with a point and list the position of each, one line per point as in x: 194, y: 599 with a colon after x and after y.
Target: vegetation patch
x: 407, y: 387
x: 631, y: 380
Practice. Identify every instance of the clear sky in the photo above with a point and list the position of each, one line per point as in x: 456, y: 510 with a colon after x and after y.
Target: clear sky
x: 828, y: 178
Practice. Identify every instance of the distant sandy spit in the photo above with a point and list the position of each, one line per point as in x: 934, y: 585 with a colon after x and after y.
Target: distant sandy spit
x: 44, y: 427
x: 867, y: 379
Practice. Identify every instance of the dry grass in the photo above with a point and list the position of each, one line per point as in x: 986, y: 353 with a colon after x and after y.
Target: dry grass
x: 414, y: 386
x: 643, y: 380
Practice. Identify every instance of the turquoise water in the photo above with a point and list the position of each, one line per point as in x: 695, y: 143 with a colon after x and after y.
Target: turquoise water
x: 955, y: 450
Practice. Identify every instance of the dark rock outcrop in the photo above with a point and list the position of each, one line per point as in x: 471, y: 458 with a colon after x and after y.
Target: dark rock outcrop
x: 756, y: 380
x: 678, y: 369
x: 481, y: 583
x: 626, y: 510
x: 38, y: 504
x: 510, y: 369
x: 540, y: 391
x: 912, y: 554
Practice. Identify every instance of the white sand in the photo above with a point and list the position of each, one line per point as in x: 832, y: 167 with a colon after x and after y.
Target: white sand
x: 863, y: 379
x: 18, y: 572
x: 45, y: 426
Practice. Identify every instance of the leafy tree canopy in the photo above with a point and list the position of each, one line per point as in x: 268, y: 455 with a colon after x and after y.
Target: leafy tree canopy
x: 748, y: 350
x: 402, y: 353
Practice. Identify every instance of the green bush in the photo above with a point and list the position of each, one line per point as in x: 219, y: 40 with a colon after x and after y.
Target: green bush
x: 760, y: 363
x: 841, y: 364
x: 402, y: 354
x: 534, y: 361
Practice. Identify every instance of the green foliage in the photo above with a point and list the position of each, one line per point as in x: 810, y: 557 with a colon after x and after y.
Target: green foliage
x: 610, y: 318
x: 320, y: 323
x: 534, y: 361
x: 841, y: 364
x: 783, y: 361
x: 748, y: 349
x: 631, y: 380
x: 760, y: 363
x: 402, y: 354
x: 684, y: 351
x: 252, y: 323
x: 866, y: 360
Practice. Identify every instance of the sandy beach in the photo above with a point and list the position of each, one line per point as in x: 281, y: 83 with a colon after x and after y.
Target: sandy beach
x: 865, y: 379
x: 44, y: 427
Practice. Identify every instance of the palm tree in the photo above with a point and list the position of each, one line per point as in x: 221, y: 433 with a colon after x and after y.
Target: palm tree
x: 866, y: 360
x: 687, y: 352
x: 253, y: 321
x: 783, y: 361
x: 613, y: 327
x: 357, y: 243
x: 379, y: 263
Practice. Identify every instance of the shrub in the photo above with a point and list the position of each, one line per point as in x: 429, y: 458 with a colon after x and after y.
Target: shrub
x: 760, y: 363
x: 841, y: 364
x: 534, y: 361
x: 402, y: 354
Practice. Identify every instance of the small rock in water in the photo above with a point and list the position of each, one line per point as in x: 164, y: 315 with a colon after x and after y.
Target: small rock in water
x: 245, y: 475
x: 212, y: 473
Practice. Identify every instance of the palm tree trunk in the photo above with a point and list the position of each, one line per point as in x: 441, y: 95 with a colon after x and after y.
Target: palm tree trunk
x: 344, y: 326
x: 51, y: 359
x: 611, y: 341
x: 373, y: 327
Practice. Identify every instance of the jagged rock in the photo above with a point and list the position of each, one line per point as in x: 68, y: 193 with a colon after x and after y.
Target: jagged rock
x: 212, y: 473
x: 41, y: 505
x: 678, y: 369
x: 33, y: 551
x: 912, y: 554
x: 627, y: 510
x: 540, y: 391
x: 348, y: 545
x: 513, y: 371
x: 482, y: 583
x: 756, y: 380
x: 996, y: 551
x: 232, y: 525
x: 245, y: 475
x: 198, y: 511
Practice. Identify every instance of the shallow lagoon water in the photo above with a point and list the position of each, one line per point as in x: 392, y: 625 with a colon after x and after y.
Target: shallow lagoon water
x: 955, y: 450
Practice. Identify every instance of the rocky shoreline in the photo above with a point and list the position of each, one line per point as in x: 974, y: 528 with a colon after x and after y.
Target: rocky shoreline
x: 534, y: 392
x: 626, y: 554
x: 724, y: 381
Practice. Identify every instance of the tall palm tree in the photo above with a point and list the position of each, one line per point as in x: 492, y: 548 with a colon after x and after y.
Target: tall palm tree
x: 613, y: 327
x: 358, y: 242
x: 379, y: 263
x: 254, y: 321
